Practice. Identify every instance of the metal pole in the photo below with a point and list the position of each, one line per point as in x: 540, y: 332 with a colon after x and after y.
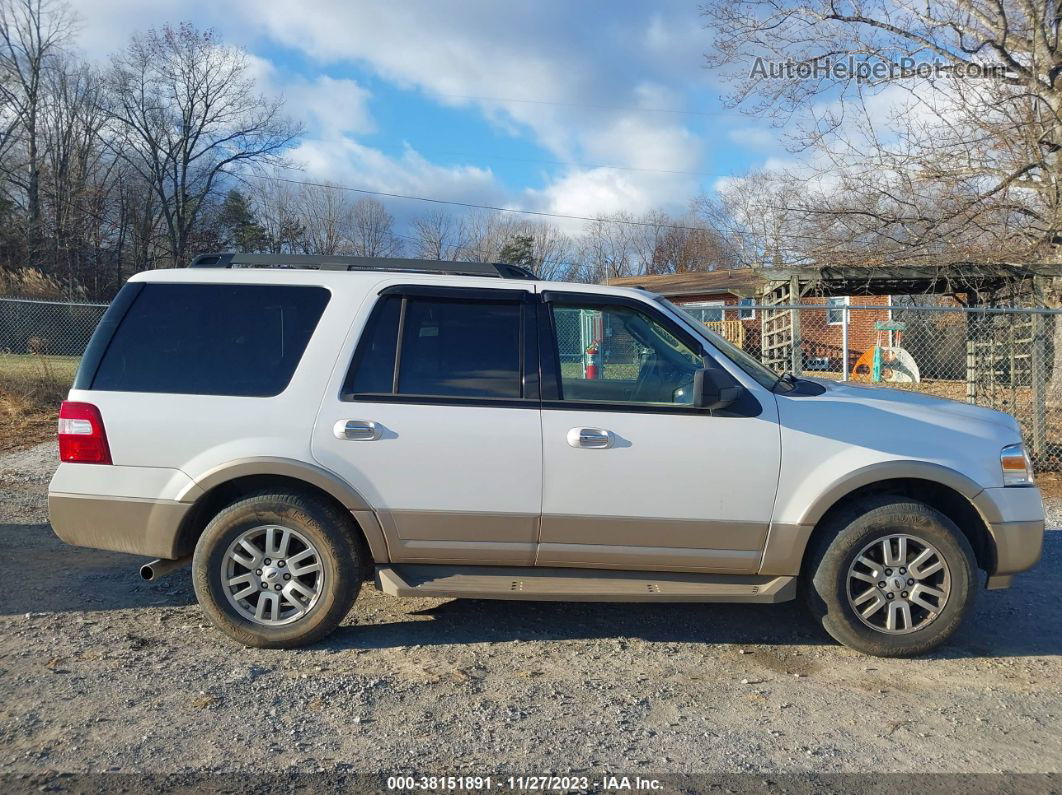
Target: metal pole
x: 796, y: 359
x: 1038, y: 365
x: 844, y: 342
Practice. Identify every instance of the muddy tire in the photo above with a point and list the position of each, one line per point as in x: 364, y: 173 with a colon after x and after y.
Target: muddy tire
x: 890, y: 576
x: 277, y: 570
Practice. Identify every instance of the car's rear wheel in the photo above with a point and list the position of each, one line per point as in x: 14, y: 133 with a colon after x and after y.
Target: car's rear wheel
x: 890, y: 576
x: 277, y: 570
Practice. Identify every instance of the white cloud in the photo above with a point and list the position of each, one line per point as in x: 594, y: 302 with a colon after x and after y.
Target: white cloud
x: 531, y: 70
x: 334, y: 106
x: 754, y: 137
x: 329, y: 106
x: 580, y: 80
x: 343, y: 161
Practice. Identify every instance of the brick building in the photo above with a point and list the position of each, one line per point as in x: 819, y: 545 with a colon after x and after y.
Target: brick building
x: 719, y: 299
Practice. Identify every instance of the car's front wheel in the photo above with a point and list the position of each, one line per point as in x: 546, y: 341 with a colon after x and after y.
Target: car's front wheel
x: 277, y: 570
x: 890, y: 576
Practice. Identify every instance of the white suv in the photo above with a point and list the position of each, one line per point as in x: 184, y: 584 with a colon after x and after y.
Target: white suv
x: 461, y: 429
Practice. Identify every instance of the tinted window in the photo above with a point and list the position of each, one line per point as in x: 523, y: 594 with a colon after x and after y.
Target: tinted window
x: 615, y: 354
x: 206, y: 339
x: 460, y: 348
x: 373, y: 369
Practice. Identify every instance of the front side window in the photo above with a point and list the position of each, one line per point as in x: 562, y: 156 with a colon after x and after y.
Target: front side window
x: 211, y: 339
x: 445, y: 347
x: 749, y: 364
x: 617, y: 354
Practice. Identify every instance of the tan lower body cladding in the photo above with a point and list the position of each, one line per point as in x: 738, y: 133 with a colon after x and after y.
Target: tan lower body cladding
x: 578, y: 541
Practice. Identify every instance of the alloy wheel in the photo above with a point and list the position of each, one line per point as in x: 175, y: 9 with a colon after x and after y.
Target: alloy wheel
x: 272, y: 575
x: 898, y: 584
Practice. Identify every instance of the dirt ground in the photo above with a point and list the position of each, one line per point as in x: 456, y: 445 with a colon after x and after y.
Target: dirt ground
x: 100, y: 671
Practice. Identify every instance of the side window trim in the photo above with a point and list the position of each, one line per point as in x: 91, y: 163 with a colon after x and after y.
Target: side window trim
x: 530, y: 375
x: 552, y: 394
x: 396, y: 365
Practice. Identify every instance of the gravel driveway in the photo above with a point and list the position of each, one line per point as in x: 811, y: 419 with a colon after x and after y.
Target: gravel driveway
x: 102, y: 672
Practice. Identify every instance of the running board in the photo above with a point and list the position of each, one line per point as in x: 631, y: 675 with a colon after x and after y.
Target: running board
x: 579, y: 585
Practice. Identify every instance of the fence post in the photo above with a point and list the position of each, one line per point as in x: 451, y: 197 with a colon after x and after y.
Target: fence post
x: 796, y: 357
x: 973, y: 337
x: 1038, y: 365
x: 844, y: 342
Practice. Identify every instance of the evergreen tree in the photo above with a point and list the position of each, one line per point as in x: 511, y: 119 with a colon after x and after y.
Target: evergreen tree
x: 520, y: 250
x: 240, y: 231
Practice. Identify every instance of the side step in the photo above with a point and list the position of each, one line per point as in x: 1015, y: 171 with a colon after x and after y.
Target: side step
x: 579, y: 585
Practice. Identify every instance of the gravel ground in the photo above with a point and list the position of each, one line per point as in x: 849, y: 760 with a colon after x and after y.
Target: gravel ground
x: 102, y: 672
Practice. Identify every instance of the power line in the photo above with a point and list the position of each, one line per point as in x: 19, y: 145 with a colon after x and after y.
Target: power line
x: 537, y: 213
x: 473, y: 206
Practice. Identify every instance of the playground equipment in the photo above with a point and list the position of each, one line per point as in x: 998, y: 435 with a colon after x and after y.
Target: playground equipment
x: 890, y: 363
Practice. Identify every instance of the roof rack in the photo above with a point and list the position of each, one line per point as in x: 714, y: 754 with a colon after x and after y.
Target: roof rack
x: 341, y: 263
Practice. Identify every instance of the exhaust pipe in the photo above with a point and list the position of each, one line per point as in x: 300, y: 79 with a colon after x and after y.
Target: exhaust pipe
x: 160, y: 568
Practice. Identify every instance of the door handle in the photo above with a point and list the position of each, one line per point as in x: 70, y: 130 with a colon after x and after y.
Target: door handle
x: 592, y: 438
x: 356, y: 430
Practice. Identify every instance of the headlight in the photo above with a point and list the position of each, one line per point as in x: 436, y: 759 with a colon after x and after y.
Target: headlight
x: 1017, y: 466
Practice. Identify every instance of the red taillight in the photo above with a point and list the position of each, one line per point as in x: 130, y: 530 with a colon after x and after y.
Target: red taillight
x: 82, y: 438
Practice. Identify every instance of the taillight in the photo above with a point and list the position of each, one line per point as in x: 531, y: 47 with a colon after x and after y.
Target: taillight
x: 82, y: 439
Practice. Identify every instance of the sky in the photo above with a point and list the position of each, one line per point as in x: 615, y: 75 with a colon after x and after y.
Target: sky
x: 579, y: 108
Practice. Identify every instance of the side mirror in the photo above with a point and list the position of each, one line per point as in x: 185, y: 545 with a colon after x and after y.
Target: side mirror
x: 714, y: 389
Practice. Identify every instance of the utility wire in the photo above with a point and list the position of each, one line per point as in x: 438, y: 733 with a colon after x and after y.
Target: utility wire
x: 537, y: 213
x: 473, y: 206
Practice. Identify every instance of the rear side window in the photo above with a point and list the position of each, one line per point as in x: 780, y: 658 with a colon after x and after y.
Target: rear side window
x: 211, y: 339
x: 445, y: 347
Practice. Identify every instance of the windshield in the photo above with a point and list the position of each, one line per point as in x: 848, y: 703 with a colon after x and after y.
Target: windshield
x: 763, y: 375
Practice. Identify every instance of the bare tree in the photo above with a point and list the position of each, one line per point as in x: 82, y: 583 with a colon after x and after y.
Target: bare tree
x: 372, y: 230
x: 608, y: 249
x: 185, y: 115
x: 437, y: 236
x: 32, y: 33
x: 553, y: 252
x: 77, y: 173
x: 929, y: 128
x: 757, y: 217
x: 276, y: 205
x: 327, y: 218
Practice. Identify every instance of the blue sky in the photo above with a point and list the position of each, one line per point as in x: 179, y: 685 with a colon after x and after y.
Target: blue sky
x: 581, y: 108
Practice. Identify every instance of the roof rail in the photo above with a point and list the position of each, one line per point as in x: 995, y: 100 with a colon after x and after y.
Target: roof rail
x: 343, y: 263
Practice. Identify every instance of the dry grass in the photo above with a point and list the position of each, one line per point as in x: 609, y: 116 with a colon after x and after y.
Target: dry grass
x: 31, y: 389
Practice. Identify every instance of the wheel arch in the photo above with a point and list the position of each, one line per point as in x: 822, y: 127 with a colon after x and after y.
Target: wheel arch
x: 954, y: 496
x: 225, y: 484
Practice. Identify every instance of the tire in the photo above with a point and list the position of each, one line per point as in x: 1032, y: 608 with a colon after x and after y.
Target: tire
x: 325, y: 595
x: 831, y: 584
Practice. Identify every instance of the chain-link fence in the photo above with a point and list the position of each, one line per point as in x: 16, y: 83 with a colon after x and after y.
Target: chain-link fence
x: 1000, y: 358
x: 43, y: 340
x: 1006, y: 359
x: 49, y: 328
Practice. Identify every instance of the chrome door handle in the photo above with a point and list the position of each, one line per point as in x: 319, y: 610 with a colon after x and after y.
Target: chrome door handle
x: 356, y: 430
x: 593, y: 438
